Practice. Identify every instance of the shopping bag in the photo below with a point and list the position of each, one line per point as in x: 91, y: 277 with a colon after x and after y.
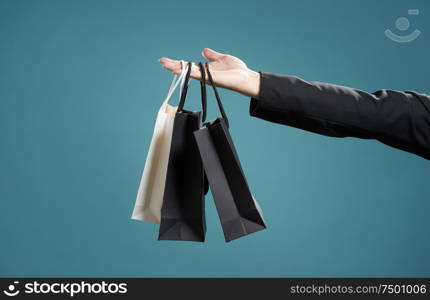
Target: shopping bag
x: 182, y: 213
x: 238, y: 211
x: 150, y: 194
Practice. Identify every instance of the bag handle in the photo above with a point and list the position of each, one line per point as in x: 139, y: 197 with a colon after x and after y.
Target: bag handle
x: 185, y: 90
x: 203, y: 91
x: 218, y: 99
x: 184, y: 69
x: 176, y: 80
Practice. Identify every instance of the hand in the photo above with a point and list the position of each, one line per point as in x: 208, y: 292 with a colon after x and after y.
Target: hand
x: 227, y: 72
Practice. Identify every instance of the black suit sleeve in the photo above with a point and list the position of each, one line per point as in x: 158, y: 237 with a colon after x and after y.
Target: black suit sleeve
x: 398, y: 119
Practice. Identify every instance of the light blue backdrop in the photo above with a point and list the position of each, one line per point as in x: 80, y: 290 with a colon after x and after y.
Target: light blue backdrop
x: 79, y: 89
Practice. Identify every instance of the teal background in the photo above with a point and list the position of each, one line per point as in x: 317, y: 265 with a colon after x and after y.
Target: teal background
x: 80, y: 86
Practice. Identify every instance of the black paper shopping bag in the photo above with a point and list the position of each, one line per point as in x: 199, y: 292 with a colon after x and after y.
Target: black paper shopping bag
x: 238, y: 211
x: 182, y: 212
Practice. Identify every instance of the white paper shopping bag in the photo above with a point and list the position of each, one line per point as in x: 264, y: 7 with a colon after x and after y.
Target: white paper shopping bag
x: 149, y: 198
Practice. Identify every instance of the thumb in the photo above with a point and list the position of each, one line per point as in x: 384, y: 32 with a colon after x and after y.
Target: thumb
x: 210, y: 54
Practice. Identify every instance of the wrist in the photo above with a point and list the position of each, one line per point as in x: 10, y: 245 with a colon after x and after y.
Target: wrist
x: 252, y: 84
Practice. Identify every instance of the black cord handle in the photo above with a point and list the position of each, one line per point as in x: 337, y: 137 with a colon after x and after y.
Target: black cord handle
x: 218, y: 99
x: 185, y: 88
x: 203, y: 90
x: 202, y: 87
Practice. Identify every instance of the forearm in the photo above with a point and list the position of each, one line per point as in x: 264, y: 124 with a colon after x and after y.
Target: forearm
x: 399, y: 119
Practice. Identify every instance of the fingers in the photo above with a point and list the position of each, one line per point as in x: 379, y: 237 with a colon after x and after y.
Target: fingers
x: 175, y: 67
x: 210, y: 54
